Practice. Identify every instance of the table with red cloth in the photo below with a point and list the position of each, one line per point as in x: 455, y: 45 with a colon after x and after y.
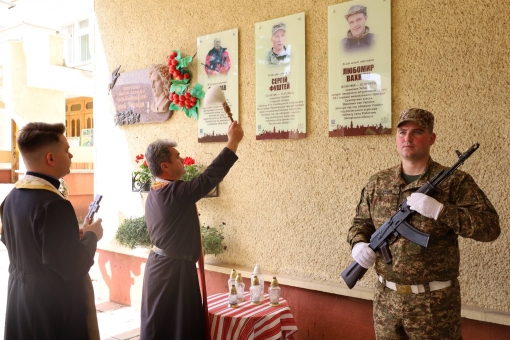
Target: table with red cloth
x: 252, y: 322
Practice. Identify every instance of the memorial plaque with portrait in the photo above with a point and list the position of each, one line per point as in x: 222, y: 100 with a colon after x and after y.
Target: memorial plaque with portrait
x: 359, y: 52
x: 280, y: 76
x: 217, y: 56
x: 137, y: 99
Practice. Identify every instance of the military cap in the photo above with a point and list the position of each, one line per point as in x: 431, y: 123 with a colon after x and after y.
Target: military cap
x: 421, y: 117
x: 356, y: 9
x: 279, y: 26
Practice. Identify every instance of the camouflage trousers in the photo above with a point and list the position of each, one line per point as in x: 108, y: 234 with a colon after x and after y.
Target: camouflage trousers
x: 430, y: 315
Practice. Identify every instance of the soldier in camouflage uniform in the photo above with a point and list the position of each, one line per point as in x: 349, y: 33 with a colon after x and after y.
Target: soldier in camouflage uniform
x: 418, y: 295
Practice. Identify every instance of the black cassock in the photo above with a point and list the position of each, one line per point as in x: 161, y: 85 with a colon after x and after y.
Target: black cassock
x: 171, y: 300
x: 46, y: 297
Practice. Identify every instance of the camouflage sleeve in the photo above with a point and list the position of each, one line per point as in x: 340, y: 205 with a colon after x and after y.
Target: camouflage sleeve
x: 362, y: 225
x: 469, y: 212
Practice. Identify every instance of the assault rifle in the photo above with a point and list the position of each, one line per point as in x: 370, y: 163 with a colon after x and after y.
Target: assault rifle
x: 397, y: 226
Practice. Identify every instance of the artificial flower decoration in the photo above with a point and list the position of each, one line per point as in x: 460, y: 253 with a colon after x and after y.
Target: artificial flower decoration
x: 181, y: 97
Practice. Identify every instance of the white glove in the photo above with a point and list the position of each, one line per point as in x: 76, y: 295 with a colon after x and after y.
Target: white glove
x: 364, y: 255
x: 425, y: 205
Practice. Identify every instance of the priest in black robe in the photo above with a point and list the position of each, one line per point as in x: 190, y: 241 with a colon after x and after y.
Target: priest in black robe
x: 171, y: 301
x: 47, y: 260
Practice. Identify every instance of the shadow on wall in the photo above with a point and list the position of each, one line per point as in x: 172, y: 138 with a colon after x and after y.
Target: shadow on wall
x: 122, y: 269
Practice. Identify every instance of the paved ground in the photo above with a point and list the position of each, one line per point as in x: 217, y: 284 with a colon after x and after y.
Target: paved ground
x: 116, y: 322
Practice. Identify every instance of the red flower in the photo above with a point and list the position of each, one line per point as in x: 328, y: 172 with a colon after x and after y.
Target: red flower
x: 188, y: 161
x: 145, y: 163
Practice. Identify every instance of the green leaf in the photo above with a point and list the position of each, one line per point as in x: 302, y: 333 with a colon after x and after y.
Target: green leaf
x: 180, y: 82
x: 193, y: 113
x: 197, y: 87
x: 174, y: 106
x: 185, y: 62
x: 197, y: 91
x: 197, y: 103
x: 187, y: 112
x: 178, y: 54
x: 179, y: 88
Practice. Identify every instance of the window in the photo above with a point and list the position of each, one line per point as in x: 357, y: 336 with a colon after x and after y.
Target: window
x: 77, y: 49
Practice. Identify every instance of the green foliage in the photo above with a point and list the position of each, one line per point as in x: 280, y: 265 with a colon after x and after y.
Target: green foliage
x: 184, y: 62
x: 192, y: 171
x: 212, y: 238
x: 197, y: 91
x: 133, y: 232
x: 143, y: 175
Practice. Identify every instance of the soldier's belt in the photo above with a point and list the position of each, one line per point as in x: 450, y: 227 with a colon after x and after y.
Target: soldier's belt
x: 415, y: 289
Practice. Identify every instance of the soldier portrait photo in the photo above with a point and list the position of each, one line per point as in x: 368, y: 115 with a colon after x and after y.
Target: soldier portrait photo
x: 359, y: 37
x: 217, y: 60
x: 279, y: 54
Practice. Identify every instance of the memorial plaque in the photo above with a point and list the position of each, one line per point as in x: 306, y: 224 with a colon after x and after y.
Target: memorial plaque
x: 359, y: 56
x: 133, y: 97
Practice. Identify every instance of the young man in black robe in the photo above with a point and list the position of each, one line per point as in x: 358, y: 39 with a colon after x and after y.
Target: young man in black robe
x: 171, y: 302
x: 47, y: 260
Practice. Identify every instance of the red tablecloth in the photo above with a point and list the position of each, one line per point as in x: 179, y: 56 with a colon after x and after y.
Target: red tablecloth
x: 252, y: 322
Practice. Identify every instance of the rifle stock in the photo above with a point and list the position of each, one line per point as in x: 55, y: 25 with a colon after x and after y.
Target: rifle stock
x: 353, y: 273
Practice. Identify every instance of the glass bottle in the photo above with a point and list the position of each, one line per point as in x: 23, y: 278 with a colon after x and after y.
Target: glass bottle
x: 255, y: 291
x: 240, y: 287
x: 258, y: 272
x: 232, y: 278
x: 274, y: 293
x: 232, y: 297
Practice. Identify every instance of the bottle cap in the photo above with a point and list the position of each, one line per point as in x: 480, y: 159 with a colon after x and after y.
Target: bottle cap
x: 233, y: 274
x: 239, y: 277
x: 257, y: 270
x: 256, y: 281
x: 274, y: 283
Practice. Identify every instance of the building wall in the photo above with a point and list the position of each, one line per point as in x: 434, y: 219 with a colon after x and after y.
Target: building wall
x: 288, y: 204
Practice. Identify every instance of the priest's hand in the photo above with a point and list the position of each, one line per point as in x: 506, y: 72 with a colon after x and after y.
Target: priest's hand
x: 94, y: 227
x: 235, y: 135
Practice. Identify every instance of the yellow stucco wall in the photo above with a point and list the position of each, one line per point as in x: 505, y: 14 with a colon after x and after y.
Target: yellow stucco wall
x: 288, y: 204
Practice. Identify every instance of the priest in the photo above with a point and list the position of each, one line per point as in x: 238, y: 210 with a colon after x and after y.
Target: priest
x: 172, y: 305
x: 48, y: 263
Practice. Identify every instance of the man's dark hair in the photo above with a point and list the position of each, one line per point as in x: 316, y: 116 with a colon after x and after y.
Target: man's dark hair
x: 35, y: 136
x: 158, y: 152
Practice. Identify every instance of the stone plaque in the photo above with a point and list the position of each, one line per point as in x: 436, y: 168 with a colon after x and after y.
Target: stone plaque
x: 133, y: 97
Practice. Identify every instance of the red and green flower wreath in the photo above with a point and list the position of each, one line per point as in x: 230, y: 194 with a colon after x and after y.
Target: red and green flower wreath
x: 181, y: 97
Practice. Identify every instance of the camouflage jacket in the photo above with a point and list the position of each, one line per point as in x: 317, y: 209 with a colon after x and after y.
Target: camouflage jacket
x: 467, y: 212
x: 278, y: 59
